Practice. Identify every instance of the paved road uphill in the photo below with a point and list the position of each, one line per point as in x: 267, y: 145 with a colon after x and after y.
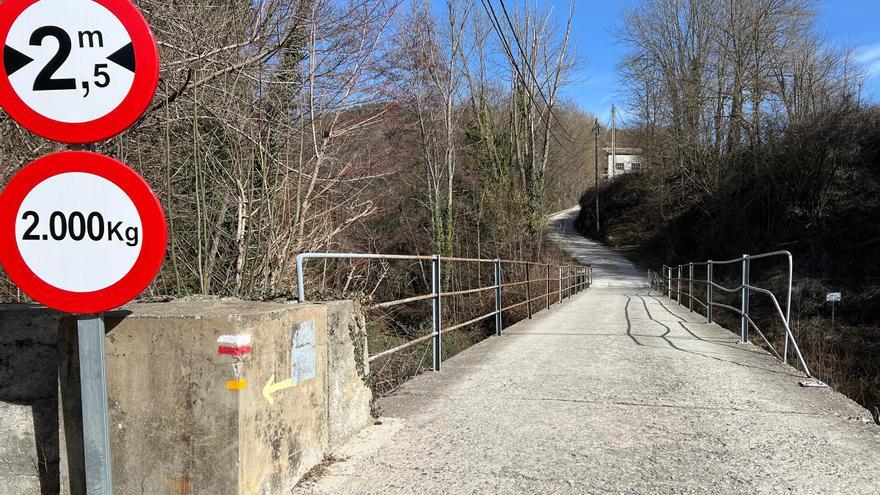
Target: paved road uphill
x: 617, y: 390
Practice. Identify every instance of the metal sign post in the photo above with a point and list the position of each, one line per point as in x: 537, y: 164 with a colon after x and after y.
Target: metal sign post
x: 95, y: 413
x: 833, y: 297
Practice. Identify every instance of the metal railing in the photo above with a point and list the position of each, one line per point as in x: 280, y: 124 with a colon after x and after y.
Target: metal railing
x: 664, y: 283
x: 567, y: 280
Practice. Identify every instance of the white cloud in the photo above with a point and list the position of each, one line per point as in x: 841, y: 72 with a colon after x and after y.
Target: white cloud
x: 869, y: 57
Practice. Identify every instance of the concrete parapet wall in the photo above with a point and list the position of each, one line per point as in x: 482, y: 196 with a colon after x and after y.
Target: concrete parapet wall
x: 176, y: 426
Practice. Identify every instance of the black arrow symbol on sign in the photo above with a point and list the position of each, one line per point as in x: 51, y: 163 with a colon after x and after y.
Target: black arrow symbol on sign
x: 14, y: 60
x: 124, y: 57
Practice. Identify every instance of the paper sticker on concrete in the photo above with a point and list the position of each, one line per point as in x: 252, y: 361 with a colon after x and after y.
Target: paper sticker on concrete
x: 303, y: 357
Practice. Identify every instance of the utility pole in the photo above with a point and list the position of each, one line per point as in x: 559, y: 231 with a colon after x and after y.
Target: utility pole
x: 613, y: 141
x: 596, y: 190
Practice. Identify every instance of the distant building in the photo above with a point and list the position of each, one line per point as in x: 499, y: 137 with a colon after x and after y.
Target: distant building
x: 628, y: 160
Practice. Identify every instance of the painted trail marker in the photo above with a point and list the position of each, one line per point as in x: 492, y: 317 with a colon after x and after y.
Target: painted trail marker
x: 76, y: 71
x: 81, y: 232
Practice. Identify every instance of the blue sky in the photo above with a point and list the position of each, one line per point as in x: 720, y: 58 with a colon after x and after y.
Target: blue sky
x: 852, y: 23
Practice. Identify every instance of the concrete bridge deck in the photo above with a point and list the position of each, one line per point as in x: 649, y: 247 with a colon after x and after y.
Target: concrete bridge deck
x: 617, y: 390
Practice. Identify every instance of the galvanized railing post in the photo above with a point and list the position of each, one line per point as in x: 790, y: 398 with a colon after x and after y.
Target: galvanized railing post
x: 560, y: 284
x: 788, y: 305
x: 678, y: 291
x: 567, y: 279
x: 669, y: 282
x: 528, y: 291
x: 691, y: 287
x: 744, y: 320
x: 548, y: 285
x: 437, y: 312
x: 300, y: 280
x: 497, y: 265
x: 709, y: 292
x: 569, y: 289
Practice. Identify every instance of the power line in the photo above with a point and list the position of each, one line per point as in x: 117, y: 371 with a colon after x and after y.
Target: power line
x: 496, y: 26
x: 529, y: 66
x: 522, y: 53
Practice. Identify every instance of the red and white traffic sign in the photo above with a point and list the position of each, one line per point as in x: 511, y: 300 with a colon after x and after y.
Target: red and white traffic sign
x: 76, y: 71
x: 81, y: 232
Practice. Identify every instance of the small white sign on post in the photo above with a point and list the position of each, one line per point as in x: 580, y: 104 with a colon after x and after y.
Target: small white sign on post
x: 833, y: 297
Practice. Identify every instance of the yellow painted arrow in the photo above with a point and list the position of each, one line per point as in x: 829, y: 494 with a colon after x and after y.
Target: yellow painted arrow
x: 271, y: 387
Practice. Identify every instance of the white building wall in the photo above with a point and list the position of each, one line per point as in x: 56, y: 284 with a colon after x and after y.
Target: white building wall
x: 630, y: 163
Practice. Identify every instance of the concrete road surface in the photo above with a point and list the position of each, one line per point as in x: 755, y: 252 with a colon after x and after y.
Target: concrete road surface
x: 618, y: 390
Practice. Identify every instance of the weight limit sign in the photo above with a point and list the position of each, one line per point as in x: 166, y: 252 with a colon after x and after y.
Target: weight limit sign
x: 76, y: 71
x: 81, y: 232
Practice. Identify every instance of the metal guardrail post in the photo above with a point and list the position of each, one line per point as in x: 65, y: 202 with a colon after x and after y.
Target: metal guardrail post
x: 788, y: 306
x: 560, y: 284
x: 567, y: 275
x: 548, y: 285
x: 437, y: 312
x: 709, y: 292
x: 669, y: 283
x: 691, y: 286
x: 497, y: 265
x: 528, y: 291
x: 565, y: 282
x: 678, y: 292
x: 300, y: 287
x: 744, y: 320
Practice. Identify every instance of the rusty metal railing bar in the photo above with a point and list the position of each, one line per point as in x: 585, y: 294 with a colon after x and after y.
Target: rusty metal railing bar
x: 467, y: 291
x: 399, y: 302
x: 469, y: 322
x: 514, y: 284
x: 574, y: 277
x: 401, y: 347
x: 466, y: 260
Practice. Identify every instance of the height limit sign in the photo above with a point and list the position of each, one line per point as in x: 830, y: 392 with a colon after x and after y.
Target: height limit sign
x: 76, y: 71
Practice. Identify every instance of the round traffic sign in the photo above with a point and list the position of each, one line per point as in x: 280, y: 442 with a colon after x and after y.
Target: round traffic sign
x: 76, y: 71
x: 81, y: 232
